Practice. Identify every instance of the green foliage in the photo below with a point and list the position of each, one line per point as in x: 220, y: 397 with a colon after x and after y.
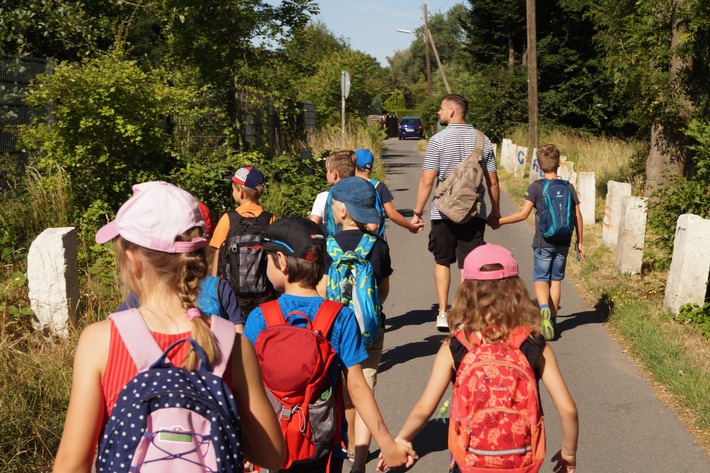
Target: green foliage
x: 292, y: 182
x: 680, y: 196
x: 696, y: 315
x: 323, y: 87
x: 107, y: 132
x: 700, y: 167
x: 395, y: 101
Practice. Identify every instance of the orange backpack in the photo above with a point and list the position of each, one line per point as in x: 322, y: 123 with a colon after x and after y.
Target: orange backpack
x: 496, y: 420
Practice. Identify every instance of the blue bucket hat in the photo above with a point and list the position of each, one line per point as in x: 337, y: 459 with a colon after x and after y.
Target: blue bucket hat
x: 359, y: 197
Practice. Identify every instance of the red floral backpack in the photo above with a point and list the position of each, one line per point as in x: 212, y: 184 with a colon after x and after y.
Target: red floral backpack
x: 496, y: 420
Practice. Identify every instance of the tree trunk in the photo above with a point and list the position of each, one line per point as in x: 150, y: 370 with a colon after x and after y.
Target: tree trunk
x: 667, y: 156
x: 668, y: 151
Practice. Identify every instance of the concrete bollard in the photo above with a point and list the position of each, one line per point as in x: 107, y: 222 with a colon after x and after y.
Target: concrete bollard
x: 612, y: 211
x: 535, y: 172
x: 632, y: 233
x: 508, y: 155
x: 520, y: 158
x: 586, y: 192
x: 53, y: 279
x: 566, y: 171
x: 688, y: 277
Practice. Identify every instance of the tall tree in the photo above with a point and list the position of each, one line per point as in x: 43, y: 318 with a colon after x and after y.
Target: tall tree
x: 658, y: 55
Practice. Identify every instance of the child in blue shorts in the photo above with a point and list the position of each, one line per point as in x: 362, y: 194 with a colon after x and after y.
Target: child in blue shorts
x: 550, y: 260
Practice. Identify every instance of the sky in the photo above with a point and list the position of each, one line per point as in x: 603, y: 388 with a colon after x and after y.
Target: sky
x: 371, y: 26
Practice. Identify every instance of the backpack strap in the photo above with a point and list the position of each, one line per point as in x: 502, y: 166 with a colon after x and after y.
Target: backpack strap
x: 367, y: 242
x: 225, y: 334
x: 136, y: 336
x: 518, y: 336
x: 235, y: 219
x: 469, y: 344
x: 326, y: 315
x: 333, y: 249
x: 264, y: 218
x: 480, y: 144
x: 272, y: 313
x: 144, y: 350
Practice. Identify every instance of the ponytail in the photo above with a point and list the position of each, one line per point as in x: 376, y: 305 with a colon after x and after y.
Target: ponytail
x: 192, y: 269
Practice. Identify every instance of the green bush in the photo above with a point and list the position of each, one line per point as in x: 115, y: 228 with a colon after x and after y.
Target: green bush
x: 682, y: 195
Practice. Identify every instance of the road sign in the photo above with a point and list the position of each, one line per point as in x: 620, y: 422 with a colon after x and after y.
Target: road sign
x: 345, y: 84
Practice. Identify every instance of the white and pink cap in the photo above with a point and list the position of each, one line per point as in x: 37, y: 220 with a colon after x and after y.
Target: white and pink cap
x: 486, y: 255
x: 156, y: 215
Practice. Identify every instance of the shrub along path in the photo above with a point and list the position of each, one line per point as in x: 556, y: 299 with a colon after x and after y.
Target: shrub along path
x: 623, y: 426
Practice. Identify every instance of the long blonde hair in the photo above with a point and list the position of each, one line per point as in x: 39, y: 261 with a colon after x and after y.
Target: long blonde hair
x: 494, y: 308
x: 182, y: 273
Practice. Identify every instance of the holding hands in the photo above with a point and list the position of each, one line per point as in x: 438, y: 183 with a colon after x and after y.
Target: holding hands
x: 384, y: 462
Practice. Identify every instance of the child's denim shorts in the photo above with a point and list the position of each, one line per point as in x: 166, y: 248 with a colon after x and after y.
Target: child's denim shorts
x: 550, y: 263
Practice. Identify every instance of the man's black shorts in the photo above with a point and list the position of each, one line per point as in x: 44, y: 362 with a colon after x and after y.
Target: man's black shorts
x: 449, y: 241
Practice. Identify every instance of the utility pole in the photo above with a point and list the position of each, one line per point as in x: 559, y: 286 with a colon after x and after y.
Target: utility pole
x: 428, y: 35
x: 532, y: 75
x: 426, y: 56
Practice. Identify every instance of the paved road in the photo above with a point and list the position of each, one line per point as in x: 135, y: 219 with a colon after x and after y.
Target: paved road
x: 623, y: 427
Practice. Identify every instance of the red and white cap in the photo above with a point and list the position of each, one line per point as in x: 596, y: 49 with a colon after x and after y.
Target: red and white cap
x: 156, y: 215
x: 486, y: 255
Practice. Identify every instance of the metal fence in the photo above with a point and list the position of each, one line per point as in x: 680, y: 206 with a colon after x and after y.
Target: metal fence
x: 16, y: 73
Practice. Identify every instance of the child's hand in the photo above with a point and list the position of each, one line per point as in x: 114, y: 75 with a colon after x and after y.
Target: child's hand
x: 580, y: 251
x: 398, y: 454
x: 416, y: 227
x: 564, y: 463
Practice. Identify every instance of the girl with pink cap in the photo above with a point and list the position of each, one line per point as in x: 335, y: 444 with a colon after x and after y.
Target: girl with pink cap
x: 159, y: 239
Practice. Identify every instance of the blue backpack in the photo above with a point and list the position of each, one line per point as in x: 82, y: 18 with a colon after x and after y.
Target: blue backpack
x: 208, y: 297
x: 169, y: 418
x: 329, y: 226
x: 557, y: 216
x: 380, y: 209
x: 352, y: 282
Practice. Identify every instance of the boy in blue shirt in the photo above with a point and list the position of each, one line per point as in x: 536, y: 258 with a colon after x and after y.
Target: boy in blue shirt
x: 550, y: 259
x: 296, y: 265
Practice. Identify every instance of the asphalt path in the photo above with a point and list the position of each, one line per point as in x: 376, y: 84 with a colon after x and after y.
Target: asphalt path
x: 623, y: 426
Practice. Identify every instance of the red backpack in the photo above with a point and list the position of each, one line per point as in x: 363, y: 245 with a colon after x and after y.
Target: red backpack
x: 496, y: 420
x: 295, y: 362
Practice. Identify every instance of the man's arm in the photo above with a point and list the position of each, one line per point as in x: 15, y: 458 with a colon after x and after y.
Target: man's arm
x: 426, y: 184
x: 494, y: 194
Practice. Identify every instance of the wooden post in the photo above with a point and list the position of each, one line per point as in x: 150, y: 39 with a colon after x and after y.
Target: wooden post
x: 532, y: 74
x: 436, y: 54
x: 426, y: 57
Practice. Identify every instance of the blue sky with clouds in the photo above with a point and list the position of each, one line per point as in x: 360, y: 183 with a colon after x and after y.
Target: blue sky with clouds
x: 370, y: 25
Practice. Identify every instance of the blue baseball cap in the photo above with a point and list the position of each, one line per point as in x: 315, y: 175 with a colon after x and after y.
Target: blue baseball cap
x: 359, y: 197
x: 365, y: 158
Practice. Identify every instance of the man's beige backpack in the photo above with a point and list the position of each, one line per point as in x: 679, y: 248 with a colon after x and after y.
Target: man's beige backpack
x: 457, y: 196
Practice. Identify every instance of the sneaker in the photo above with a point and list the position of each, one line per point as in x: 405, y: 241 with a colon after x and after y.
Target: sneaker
x: 548, y: 331
x: 442, y: 321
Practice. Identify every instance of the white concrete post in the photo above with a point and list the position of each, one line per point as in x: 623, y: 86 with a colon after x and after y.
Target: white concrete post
x: 612, y: 211
x: 520, y: 159
x: 535, y: 171
x: 566, y: 171
x: 53, y: 279
x: 586, y: 192
x: 632, y: 233
x: 507, y: 155
x: 688, y: 277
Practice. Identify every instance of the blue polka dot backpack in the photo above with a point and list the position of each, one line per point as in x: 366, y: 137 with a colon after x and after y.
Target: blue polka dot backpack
x: 170, y: 419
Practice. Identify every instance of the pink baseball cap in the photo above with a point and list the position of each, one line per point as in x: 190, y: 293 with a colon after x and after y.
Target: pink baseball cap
x: 156, y: 215
x: 485, y: 255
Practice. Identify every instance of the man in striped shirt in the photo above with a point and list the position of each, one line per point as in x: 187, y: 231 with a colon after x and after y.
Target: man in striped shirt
x: 448, y: 241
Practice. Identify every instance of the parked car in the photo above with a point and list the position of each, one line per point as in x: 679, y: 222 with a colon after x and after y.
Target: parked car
x: 410, y: 127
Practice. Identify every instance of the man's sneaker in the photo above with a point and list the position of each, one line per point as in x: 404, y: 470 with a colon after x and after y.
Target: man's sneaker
x: 442, y: 321
x: 548, y: 331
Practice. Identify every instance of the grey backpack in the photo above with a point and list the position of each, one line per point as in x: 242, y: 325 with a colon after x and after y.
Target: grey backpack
x: 457, y: 196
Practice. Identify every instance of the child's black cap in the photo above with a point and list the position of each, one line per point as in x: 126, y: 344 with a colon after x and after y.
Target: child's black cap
x: 293, y: 236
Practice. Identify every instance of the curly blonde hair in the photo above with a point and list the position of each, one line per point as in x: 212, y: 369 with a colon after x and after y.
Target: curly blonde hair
x: 181, y: 272
x: 494, y: 308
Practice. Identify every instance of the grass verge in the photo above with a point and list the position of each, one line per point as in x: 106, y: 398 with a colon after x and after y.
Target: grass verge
x: 675, y: 356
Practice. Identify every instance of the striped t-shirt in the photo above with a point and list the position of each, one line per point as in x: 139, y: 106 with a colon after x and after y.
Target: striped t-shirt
x: 447, y: 149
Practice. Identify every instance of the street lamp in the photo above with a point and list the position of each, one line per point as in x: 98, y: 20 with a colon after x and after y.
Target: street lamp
x: 426, y: 56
